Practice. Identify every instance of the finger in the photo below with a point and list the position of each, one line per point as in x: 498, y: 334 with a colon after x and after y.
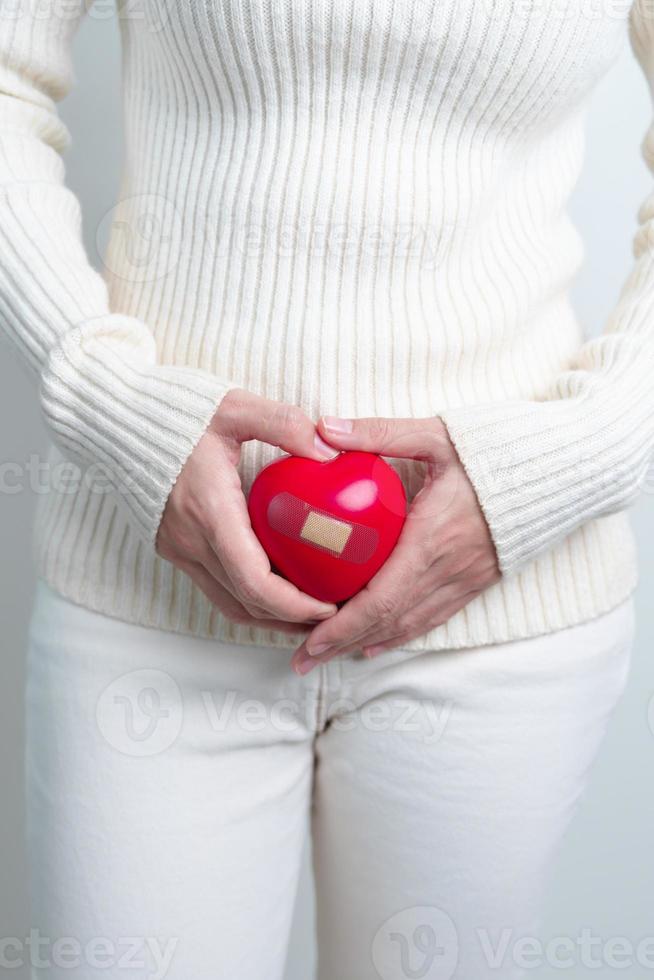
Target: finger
x: 410, y: 576
x: 226, y: 602
x: 302, y: 663
x: 255, y: 585
x: 355, y: 619
x: 245, y: 415
x: 423, y: 612
x: 356, y: 624
x: 248, y: 568
x: 425, y: 617
x: 208, y: 559
x: 395, y: 587
x: 411, y: 438
x: 203, y: 555
x: 435, y: 609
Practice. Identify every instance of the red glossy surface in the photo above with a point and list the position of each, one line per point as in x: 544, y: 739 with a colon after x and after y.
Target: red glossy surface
x: 355, y: 501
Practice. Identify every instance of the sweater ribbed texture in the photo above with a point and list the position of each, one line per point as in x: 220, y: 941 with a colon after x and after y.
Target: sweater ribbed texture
x: 358, y: 208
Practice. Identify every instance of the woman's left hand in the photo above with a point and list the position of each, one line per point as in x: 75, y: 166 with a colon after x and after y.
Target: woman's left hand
x: 444, y: 556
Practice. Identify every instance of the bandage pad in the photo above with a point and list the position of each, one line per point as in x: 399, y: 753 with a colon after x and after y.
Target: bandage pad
x: 298, y: 520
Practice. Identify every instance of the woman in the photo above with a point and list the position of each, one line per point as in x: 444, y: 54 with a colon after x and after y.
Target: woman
x: 357, y: 239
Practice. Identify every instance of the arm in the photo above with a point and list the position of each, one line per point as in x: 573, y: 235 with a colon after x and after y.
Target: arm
x: 105, y: 397
x: 542, y: 468
x: 504, y: 482
x: 167, y: 437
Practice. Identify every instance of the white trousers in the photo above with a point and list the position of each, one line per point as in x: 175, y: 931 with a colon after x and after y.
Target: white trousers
x: 171, y: 781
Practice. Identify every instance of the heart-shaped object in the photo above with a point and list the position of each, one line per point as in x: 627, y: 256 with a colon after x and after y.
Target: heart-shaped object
x: 328, y: 527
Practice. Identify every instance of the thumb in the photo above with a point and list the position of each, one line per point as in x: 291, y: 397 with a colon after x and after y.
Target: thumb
x: 410, y: 438
x: 243, y: 415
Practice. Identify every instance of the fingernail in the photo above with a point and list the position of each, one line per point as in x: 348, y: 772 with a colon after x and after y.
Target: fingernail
x: 372, y: 651
x: 303, y: 667
x: 325, y: 612
x: 318, y: 649
x: 339, y: 426
x: 323, y: 448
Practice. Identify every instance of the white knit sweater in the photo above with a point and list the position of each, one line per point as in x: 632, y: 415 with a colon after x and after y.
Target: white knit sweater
x: 357, y: 206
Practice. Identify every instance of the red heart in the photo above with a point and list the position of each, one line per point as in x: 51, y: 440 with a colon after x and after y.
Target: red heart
x: 328, y: 527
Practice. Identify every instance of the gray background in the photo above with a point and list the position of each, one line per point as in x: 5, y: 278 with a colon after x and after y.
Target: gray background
x: 605, y: 878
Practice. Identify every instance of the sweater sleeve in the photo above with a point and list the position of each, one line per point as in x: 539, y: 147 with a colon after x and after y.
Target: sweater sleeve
x: 106, y: 400
x: 581, y: 450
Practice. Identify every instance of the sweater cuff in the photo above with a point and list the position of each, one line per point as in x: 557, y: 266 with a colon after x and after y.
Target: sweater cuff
x: 541, y: 469
x: 127, y: 421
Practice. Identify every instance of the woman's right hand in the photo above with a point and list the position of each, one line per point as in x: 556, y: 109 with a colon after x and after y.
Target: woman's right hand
x: 205, y: 530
